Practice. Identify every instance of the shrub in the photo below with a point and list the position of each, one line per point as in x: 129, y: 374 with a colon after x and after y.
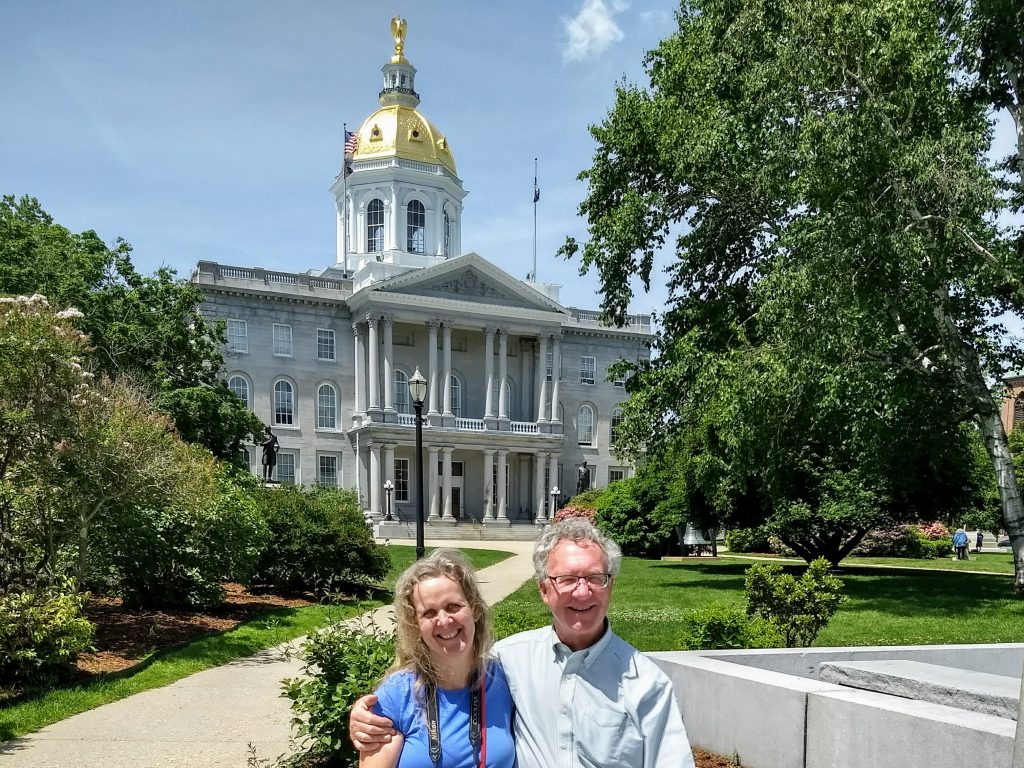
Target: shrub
x: 41, y: 634
x: 587, y: 499
x: 341, y: 664
x: 180, y: 557
x: 934, y: 531
x: 748, y: 540
x: 318, y: 541
x: 799, y: 608
x: 629, y: 513
x: 573, y: 511
x: 924, y: 540
x: 718, y: 627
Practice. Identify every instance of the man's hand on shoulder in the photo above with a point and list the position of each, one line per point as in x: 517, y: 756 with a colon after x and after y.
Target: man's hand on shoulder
x: 367, y: 730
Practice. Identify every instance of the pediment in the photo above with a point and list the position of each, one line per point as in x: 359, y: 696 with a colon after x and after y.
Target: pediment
x: 471, y: 279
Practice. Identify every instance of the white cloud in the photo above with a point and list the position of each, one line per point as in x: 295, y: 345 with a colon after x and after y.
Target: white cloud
x: 591, y: 31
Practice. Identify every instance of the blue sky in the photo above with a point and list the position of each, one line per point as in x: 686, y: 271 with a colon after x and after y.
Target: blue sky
x: 213, y: 130
x: 202, y: 129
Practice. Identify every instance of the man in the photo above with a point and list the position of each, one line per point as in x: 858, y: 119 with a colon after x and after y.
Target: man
x: 583, y: 478
x: 584, y: 697
x: 270, y: 449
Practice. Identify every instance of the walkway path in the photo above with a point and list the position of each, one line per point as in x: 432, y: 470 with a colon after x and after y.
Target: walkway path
x: 209, y: 719
x: 852, y: 563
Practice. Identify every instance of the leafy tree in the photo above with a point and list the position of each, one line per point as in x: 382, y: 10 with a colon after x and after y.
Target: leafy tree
x: 839, y: 269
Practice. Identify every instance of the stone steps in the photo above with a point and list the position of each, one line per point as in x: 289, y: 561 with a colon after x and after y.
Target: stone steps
x: 462, y: 531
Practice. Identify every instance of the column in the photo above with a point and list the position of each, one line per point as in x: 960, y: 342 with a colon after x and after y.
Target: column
x: 525, y: 357
x: 372, y: 366
x: 446, y: 482
x: 447, y: 374
x: 388, y: 468
x: 542, y: 379
x: 431, y: 472
x: 489, y: 509
x: 375, y: 479
x: 489, y: 372
x: 502, y: 469
x: 502, y: 374
x: 432, y: 362
x: 552, y: 482
x: 539, y: 463
x: 389, y: 386
x: 360, y: 376
x: 396, y: 241
x: 556, y: 374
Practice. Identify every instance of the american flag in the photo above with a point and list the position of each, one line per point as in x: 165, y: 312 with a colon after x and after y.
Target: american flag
x: 351, y: 142
x: 536, y: 190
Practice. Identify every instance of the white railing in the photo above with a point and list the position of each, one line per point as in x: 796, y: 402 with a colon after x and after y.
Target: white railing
x: 523, y: 427
x: 270, y: 277
x: 641, y: 322
x: 470, y: 425
x: 237, y: 272
x: 407, y: 419
x: 281, y: 277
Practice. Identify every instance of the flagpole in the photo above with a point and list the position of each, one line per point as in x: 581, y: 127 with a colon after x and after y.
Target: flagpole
x: 536, y: 197
x: 344, y: 195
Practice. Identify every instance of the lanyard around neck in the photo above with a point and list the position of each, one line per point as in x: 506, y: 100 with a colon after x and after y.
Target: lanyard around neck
x: 477, y: 732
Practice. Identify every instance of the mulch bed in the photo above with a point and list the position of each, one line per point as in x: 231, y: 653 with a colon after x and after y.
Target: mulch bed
x: 708, y: 760
x: 125, y: 637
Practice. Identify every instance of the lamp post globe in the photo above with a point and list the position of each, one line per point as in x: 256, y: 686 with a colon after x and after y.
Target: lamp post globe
x: 418, y: 391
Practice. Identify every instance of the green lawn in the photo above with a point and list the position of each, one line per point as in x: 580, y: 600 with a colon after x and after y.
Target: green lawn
x: 989, y: 562
x: 256, y: 634
x: 895, y: 607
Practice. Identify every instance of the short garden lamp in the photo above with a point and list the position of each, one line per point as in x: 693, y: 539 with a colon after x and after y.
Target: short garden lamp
x: 555, y: 498
x: 418, y: 391
x: 388, y: 488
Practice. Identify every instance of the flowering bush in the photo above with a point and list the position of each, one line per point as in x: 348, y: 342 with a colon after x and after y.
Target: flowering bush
x: 925, y: 540
x: 934, y: 531
x: 572, y: 510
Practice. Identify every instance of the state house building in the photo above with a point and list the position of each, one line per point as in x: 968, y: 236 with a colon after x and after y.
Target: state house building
x: 517, y: 394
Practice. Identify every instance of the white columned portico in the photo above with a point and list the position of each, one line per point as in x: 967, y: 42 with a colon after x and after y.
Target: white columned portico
x: 539, y: 464
x: 556, y: 374
x: 373, y: 367
x: 360, y: 376
x: 489, y: 510
x: 432, y: 366
x: 389, y: 387
x: 502, y: 378
x: 552, y: 483
x: 375, y: 479
x: 502, y: 489
x: 432, y: 509
x: 489, y: 372
x: 446, y: 377
x: 542, y: 379
x: 446, y: 482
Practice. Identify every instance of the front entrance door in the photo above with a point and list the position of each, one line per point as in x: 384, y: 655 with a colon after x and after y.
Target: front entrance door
x: 456, y: 501
x: 457, y: 480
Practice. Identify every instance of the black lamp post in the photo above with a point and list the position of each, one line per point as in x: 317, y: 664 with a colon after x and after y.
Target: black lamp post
x: 555, y: 493
x: 388, y: 488
x: 418, y: 391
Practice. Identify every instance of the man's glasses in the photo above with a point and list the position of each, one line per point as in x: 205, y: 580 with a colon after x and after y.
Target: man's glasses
x: 569, y: 583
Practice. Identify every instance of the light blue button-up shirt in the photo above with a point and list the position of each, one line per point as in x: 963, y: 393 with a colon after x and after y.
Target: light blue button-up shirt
x: 607, y: 706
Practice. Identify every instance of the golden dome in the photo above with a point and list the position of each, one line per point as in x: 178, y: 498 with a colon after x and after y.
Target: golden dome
x: 401, y: 131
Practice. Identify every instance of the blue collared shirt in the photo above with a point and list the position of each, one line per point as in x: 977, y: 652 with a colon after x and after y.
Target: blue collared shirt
x: 607, y: 706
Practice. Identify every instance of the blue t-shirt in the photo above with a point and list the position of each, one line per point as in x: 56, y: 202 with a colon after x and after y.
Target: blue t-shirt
x: 397, y: 701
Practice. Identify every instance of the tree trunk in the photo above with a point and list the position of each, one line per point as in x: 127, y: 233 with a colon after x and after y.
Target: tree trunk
x: 1006, y: 479
x: 83, y: 551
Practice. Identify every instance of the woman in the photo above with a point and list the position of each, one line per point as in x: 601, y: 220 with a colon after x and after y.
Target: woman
x: 443, y: 681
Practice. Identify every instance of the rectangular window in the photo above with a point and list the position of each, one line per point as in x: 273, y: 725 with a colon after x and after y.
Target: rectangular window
x: 327, y: 471
x: 401, y: 480
x: 615, y: 474
x: 286, y: 468
x: 238, y: 338
x: 551, y: 357
x: 325, y: 344
x: 588, y: 369
x: 282, y: 340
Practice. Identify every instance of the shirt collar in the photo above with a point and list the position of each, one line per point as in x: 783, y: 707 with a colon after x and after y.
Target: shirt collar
x: 589, y: 654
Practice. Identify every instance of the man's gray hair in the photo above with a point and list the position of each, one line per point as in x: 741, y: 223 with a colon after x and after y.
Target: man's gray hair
x: 575, y: 529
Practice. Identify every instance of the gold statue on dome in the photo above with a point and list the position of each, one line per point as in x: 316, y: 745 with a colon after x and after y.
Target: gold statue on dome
x: 398, y: 27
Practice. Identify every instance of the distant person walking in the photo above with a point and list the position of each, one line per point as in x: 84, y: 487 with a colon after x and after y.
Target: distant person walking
x: 978, y: 541
x: 960, y: 544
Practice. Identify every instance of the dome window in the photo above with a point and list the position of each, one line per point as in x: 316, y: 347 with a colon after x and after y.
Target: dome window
x: 416, y: 223
x: 375, y: 226
x: 375, y: 134
x: 415, y: 135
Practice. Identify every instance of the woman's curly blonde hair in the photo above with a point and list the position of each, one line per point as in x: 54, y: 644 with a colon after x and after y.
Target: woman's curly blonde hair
x: 411, y: 653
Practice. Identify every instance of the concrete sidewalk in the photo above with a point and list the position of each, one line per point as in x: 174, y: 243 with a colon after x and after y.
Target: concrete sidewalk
x: 210, y: 718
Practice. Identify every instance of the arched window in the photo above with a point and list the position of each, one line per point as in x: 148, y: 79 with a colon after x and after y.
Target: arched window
x: 416, y: 222
x: 447, y: 235
x: 403, y: 403
x: 456, y: 389
x: 616, y: 424
x: 326, y: 407
x: 1018, y: 410
x: 585, y: 425
x: 240, y: 386
x: 375, y: 226
x: 284, y: 403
